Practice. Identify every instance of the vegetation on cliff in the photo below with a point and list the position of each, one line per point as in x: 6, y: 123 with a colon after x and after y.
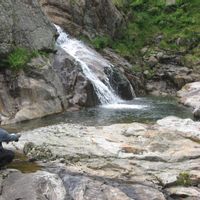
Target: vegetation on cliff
x: 157, y: 25
x: 19, y: 57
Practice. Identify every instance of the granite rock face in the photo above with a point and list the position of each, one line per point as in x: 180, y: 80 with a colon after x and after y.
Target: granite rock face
x: 22, y: 23
x: 30, y: 94
x: 125, y: 69
x: 88, y: 17
x: 77, y: 88
x: 140, y: 161
x: 166, y: 73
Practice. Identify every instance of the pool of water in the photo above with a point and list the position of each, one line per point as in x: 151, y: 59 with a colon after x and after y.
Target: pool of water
x: 21, y: 163
x: 145, y: 109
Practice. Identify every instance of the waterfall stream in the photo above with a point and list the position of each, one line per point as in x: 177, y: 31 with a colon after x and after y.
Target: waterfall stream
x: 92, y: 64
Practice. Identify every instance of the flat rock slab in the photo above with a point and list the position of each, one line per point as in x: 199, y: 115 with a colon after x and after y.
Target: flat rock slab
x: 144, y: 157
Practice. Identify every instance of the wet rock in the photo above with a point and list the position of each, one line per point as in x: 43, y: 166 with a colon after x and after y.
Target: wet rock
x: 120, y: 84
x: 77, y: 88
x: 124, y: 72
x: 197, y: 113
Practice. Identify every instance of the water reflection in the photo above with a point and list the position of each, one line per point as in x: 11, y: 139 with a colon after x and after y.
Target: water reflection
x: 147, y: 109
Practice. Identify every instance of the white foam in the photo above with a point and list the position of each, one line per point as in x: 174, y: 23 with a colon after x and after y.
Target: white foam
x: 124, y: 106
x: 87, y: 57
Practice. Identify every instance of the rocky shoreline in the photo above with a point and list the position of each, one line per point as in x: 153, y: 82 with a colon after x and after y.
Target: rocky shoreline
x: 120, y: 161
x: 133, y: 161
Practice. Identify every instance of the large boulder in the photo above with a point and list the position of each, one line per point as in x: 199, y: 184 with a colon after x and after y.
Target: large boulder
x: 190, y: 96
x: 39, y: 185
x: 29, y: 94
x: 77, y: 87
x: 48, y: 85
x: 124, y: 75
x: 22, y: 23
x: 88, y: 17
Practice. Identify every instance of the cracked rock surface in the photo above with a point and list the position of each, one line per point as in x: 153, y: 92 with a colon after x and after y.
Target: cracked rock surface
x: 130, y: 161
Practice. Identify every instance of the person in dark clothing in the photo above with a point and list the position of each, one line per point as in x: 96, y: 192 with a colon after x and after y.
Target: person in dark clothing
x: 6, y: 156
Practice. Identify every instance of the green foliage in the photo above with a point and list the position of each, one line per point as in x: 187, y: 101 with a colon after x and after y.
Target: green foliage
x: 19, y: 58
x: 150, y: 18
x: 101, y: 42
x: 184, y: 179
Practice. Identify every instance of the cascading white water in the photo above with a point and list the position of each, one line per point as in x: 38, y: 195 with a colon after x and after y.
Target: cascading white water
x: 89, y: 60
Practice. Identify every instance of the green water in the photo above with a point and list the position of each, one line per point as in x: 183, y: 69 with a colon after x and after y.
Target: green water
x: 145, y: 109
x: 21, y: 163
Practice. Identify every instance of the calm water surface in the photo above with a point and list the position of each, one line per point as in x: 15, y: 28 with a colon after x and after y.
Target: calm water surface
x: 145, y: 109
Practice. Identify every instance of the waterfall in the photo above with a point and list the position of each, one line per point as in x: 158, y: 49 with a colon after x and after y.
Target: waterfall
x: 93, y: 65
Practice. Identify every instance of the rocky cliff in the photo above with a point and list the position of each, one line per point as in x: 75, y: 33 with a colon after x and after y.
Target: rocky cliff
x: 85, y: 17
x: 49, y: 84
x: 22, y: 23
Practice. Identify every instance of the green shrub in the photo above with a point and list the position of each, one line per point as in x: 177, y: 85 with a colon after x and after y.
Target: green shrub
x: 101, y: 42
x: 19, y: 57
x: 184, y: 179
x: 150, y: 17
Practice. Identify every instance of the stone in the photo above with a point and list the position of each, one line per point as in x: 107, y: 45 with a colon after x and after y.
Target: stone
x: 6, y: 21
x: 196, y: 113
x: 123, y: 75
x: 39, y: 185
x: 78, y: 89
x: 186, y: 192
x: 170, y: 77
x: 190, y: 96
x: 87, y: 17
x: 152, y: 61
x: 24, y: 24
x: 29, y: 94
x: 135, y: 130
x: 170, y: 2
x: 136, y: 161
